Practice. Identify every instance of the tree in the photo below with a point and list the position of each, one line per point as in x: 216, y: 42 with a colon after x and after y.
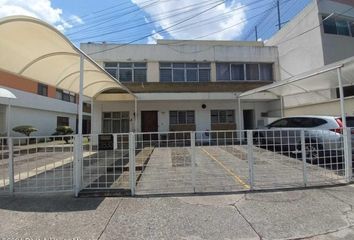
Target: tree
x: 26, y: 130
x: 64, y: 130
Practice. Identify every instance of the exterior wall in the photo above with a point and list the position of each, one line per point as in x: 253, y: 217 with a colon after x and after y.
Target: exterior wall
x: 43, y: 120
x: 191, y: 51
x: 299, y: 53
x: 38, y: 111
x: 331, y: 108
x: 23, y: 84
x: 337, y: 47
x: 202, y: 116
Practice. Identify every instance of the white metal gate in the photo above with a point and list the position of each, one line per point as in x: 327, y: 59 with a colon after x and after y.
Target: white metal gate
x: 177, y: 162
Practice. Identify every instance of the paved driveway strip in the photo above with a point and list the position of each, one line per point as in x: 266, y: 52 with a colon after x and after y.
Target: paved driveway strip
x: 313, y: 213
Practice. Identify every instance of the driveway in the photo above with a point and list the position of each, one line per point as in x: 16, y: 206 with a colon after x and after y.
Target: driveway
x: 323, y: 214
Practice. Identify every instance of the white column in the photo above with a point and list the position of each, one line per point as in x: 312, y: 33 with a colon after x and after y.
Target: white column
x: 346, y: 138
x: 282, y: 106
x: 239, y: 113
x: 341, y: 96
x: 136, y: 114
x: 8, y: 119
x: 78, y: 142
x: 81, y: 94
x: 91, y: 125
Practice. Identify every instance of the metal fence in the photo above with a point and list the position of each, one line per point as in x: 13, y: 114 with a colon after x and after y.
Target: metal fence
x: 37, y: 164
x: 177, y: 162
x: 105, y: 162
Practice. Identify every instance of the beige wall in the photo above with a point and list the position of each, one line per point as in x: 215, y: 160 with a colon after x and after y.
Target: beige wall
x: 331, y: 108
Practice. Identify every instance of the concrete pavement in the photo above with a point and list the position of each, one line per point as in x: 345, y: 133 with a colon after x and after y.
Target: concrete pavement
x: 322, y: 214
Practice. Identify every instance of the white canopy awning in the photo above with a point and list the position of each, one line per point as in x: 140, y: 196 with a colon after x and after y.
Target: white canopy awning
x: 33, y: 49
x: 4, y: 93
x: 320, y: 79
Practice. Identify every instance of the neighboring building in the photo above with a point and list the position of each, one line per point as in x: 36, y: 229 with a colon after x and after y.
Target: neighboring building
x: 39, y: 105
x: 323, y: 33
x: 184, y: 86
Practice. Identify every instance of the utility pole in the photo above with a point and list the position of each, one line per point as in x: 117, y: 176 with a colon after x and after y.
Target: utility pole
x: 279, y: 21
x: 256, y: 31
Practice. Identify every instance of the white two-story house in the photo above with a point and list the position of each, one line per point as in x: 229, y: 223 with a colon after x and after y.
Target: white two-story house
x: 183, y: 85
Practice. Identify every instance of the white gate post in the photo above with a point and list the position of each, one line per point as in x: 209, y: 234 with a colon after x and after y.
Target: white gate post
x: 77, y: 165
x: 11, y: 165
x: 303, y: 155
x: 132, y: 178
x: 250, y: 158
x: 193, y: 160
x: 348, y: 154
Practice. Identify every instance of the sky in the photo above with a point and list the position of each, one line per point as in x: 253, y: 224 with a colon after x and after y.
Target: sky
x: 145, y: 21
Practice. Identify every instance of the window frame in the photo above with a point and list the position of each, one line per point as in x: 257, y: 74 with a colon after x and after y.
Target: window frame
x: 60, y: 118
x: 177, y: 114
x: 116, y: 116
x: 199, y: 67
x: 336, y: 20
x: 117, y: 66
x: 40, y: 88
x: 65, y: 96
x: 218, y: 114
x: 245, y: 75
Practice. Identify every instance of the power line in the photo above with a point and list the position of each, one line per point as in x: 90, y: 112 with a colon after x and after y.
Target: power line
x: 173, y: 25
x: 113, y: 18
x: 139, y: 25
x: 198, y: 23
x: 112, y: 9
x: 209, y: 2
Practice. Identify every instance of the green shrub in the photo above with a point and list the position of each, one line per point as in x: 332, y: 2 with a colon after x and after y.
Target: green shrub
x: 25, y: 129
x: 64, y: 130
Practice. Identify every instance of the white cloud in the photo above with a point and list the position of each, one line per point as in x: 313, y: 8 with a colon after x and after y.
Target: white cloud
x: 204, y: 24
x: 41, y: 9
x: 154, y: 37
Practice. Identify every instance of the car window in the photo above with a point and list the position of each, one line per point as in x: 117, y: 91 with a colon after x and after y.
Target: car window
x: 279, y: 123
x: 298, y: 122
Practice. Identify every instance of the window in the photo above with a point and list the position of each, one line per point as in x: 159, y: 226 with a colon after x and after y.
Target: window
x: 115, y: 122
x: 127, y: 71
x: 62, y: 121
x: 244, y: 71
x: 184, y: 72
x: 252, y: 71
x: 42, y: 89
x: 338, y: 26
x: 182, y: 117
x: 222, y: 116
x: 298, y: 122
x: 347, y: 91
x: 66, y: 96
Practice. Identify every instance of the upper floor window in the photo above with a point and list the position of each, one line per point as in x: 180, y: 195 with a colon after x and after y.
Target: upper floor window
x: 42, y: 89
x: 244, y: 71
x: 66, y: 96
x: 127, y: 71
x: 338, y: 26
x: 184, y: 72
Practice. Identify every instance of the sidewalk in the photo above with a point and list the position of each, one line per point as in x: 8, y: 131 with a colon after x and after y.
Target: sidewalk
x: 323, y: 214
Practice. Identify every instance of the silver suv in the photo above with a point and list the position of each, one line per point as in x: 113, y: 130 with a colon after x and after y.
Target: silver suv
x: 323, y: 135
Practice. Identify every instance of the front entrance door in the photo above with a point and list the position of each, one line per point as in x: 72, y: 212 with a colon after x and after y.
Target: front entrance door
x: 149, y: 123
x: 248, y: 119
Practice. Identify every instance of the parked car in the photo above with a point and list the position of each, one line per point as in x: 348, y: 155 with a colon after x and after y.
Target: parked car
x: 323, y: 135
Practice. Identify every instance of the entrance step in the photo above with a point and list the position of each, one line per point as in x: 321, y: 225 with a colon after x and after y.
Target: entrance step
x: 105, y: 193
